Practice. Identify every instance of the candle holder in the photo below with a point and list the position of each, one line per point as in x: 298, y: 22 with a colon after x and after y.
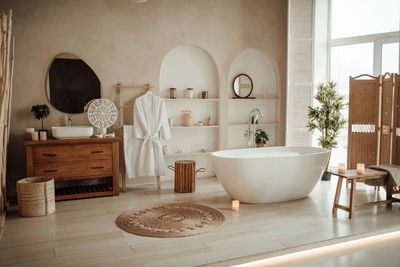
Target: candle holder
x: 235, y: 205
x: 341, y: 168
x: 360, y: 168
x: 35, y: 136
x: 42, y: 135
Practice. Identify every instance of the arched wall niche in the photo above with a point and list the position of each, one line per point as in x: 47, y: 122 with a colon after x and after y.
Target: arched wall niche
x: 266, y: 90
x: 262, y: 70
x: 189, y: 66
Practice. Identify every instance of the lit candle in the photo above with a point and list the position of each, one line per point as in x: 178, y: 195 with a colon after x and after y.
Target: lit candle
x: 43, y: 135
x: 341, y: 168
x: 35, y: 136
x: 235, y: 205
x: 360, y: 168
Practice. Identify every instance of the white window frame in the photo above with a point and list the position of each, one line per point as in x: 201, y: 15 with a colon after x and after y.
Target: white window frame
x: 377, y: 39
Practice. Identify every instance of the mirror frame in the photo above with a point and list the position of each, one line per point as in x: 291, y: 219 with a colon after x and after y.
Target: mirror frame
x: 47, y: 80
x: 233, y: 85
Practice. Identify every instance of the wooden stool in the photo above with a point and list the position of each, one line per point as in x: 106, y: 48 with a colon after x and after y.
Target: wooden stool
x: 185, y: 175
x: 352, y: 177
x: 376, y: 187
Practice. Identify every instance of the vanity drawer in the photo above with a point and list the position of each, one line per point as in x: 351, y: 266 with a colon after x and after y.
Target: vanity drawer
x: 86, y: 168
x: 72, y: 153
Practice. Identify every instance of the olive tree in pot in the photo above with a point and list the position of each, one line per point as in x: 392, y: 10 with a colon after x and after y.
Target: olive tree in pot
x: 41, y: 112
x: 327, y: 117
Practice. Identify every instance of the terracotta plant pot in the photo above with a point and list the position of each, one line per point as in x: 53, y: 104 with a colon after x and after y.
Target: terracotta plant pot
x: 260, y: 145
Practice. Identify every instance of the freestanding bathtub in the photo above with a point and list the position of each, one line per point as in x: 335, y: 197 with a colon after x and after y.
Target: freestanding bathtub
x: 269, y: 174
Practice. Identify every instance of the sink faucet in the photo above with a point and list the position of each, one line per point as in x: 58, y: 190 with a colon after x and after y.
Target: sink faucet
x: 69, y: 119
x: 254, y: 115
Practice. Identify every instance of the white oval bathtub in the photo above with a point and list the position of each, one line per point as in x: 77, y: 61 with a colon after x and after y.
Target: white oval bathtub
x: 269, y: 174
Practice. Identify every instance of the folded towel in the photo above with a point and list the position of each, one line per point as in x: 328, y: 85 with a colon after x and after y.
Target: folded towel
x: 130, y: 150
x: 393, y: 170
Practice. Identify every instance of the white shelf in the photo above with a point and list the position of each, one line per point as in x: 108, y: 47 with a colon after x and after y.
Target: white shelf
x: 259, y: 124
x: 197, y: 127
x: 186, y: 154
x: 192, y: 99
x: 256, y: 99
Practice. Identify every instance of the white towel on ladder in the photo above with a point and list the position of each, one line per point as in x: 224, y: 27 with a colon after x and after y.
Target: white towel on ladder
x: 143, y: 153
x: 129, y: 150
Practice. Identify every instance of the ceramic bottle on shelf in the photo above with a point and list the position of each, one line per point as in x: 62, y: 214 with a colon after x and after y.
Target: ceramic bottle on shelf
x: 209, y: 121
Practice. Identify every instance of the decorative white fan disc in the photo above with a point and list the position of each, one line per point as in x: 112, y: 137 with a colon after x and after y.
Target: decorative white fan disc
x: 102, y: 113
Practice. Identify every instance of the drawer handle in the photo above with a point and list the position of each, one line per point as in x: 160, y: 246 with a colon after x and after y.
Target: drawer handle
x: 97, y: 151
x: 50, y: 170
x: 49, y: 155
x: 97, y: 167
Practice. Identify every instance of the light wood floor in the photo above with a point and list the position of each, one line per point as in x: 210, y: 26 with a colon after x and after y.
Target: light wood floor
x: 83, y: 233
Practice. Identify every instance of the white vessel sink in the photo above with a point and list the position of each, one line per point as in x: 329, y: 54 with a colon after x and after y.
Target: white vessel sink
x: 72, y: 132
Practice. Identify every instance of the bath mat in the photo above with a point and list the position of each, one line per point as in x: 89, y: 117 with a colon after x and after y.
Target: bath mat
x: 170, y: 220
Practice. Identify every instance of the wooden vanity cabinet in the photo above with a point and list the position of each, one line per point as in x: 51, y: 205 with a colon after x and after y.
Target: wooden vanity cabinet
x: 76, y: 159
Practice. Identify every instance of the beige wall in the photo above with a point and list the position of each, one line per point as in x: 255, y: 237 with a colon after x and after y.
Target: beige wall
x: 125, y: 42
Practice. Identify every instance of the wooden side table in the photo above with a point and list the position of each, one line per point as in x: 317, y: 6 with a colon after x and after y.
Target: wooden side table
x: 352, y: 177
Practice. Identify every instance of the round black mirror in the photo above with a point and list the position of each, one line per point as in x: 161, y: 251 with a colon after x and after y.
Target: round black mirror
x: 71, y: 84
x: 242, y: 85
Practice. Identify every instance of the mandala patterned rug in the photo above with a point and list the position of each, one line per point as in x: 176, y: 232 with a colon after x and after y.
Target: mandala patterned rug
x: 170, y: 220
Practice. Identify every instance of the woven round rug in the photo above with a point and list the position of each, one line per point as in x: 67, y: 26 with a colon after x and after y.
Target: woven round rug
x: 170, y: 220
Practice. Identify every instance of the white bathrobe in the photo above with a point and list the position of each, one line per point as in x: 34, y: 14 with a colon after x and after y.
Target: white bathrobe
x: 143, y: 153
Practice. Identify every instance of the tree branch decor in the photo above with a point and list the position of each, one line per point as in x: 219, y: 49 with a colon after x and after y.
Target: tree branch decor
x: 7, y: 42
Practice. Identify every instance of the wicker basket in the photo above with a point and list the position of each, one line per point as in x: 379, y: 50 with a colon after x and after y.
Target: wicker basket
x: 36, y: 196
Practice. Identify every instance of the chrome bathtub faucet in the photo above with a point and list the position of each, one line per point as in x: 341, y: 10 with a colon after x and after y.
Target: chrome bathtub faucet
x: 254, y: 115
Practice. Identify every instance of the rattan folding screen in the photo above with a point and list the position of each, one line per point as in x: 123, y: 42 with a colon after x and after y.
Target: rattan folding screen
x: 373, y: 106
x: 386, y: 129
x: 396, y: 122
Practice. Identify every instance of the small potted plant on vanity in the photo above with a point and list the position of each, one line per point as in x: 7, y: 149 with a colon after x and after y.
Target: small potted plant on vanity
x: 261, y: 138
x: 327, y: 117
x: 41, y: 112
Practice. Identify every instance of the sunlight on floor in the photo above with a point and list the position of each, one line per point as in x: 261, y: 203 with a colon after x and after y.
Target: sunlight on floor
x: 324, y: 251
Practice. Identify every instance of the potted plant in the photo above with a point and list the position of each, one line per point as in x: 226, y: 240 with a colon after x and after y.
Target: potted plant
x: 261, y: 137
x: 41, y: 112
x: 327, y: 117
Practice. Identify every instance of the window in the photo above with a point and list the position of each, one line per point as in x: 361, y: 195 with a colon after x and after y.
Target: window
x: 346, y: 61
x: 363, y: 17
x: 390, y: 58
x: 364, y: 39
x: 350, y: 60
